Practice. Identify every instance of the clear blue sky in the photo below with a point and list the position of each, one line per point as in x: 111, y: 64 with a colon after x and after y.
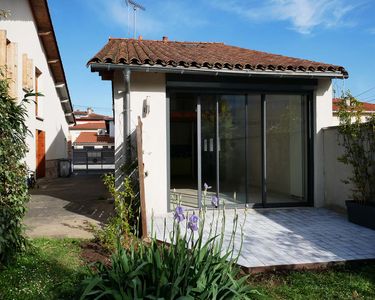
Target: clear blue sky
x: 334, y: 31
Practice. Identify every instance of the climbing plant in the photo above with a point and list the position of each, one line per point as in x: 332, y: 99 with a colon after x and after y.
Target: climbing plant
x: 13, y: 188
x: 357, y: 137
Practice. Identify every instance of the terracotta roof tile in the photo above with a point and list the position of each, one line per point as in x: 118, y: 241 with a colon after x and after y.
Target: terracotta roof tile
x: 367, y: 107
x: 203, y: 55
x: 93, y: 138
x: 88, y: 126
x: 92, y: 117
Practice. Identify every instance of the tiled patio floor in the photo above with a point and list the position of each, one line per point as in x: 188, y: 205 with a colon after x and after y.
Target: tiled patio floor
x: 291, y: 236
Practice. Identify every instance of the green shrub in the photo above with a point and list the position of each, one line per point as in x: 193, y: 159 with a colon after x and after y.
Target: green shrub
x: 123, y: 222
x: 186, y: 268
x: 13, y: 188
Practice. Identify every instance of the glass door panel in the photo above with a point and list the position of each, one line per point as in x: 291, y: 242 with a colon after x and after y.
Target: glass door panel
x: 183, y: 150
x: 232, y: 149
x: 286, y: 148
x: 209, y: 148
x: 254, y: 148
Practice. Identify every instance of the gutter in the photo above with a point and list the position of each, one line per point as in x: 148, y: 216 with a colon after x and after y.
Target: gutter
x: 126, y: 109
x: 96, y: 67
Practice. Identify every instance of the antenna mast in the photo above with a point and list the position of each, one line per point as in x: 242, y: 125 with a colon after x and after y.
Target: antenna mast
x: 135, y: 7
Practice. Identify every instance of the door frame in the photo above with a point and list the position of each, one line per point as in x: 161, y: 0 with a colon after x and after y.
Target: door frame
x: 309, y: 139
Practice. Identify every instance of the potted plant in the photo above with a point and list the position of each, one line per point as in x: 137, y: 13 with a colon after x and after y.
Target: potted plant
x: 357, y: 137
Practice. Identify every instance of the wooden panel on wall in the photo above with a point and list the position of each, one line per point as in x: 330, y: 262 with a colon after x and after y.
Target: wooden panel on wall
x: 27, y: 73
x: 12, y: 69
x: 3, y: 48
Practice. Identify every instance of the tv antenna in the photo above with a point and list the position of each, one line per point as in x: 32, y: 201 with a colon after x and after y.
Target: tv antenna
x: 136, y: 6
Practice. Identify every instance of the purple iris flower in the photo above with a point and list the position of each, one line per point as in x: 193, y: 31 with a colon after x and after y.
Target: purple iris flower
x: 193, y: 223
x: 215, y: 201
x: 179, y: 214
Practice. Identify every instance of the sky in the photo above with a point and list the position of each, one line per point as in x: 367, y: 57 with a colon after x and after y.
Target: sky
x: 340, y: 32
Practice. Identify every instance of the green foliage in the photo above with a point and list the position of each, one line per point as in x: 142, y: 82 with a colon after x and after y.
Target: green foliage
x: 123, y: 222
x: 48, y: 269
x: 358, y: 141
x: 13, y: 188
x: 187, y: 268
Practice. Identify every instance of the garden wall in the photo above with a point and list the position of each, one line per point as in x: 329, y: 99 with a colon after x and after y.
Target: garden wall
x: 335, y: 191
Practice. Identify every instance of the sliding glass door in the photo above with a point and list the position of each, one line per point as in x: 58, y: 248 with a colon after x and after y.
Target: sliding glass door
x: 240, y: 148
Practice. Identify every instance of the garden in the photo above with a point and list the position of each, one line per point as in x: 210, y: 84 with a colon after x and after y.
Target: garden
x: 119, y: 264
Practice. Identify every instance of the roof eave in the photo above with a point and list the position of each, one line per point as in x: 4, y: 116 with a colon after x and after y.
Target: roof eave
x: 98, y: 67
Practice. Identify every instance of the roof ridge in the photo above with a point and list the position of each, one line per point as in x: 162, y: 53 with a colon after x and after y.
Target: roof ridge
x: 161, y: 41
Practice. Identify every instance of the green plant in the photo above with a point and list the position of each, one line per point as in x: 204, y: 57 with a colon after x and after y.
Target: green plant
x: 358, y: 141
x: 13, y: 188
x: 189, y: 267
x: 123, y: 222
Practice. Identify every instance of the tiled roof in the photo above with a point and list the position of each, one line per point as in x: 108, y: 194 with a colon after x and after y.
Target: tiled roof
x: 92, y: 117
x: 88, y: 126
x: 203, y: 55
x: 367, y: 107
x: 93, y: 138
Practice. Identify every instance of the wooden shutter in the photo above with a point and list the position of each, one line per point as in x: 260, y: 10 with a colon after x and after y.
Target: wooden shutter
x: 12, y: 69
x: 3, y: 50
x: 27, y: 73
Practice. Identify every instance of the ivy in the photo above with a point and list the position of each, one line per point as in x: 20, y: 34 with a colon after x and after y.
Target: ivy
x: 358, y: 141
x: 13, y: 188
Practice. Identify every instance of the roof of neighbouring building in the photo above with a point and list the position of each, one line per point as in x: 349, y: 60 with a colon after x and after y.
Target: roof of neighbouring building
x: 93, y: 138
x: 88, y: 126
x: 86, y: 116
x: 205, y: 55
x: 367, y: 107
x: 43, y: 23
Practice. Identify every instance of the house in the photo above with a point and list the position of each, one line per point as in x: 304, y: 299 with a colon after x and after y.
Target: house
x: 28, y: 48
x: 92, y: 141
x: 368, y: 110
x: 220, y: 121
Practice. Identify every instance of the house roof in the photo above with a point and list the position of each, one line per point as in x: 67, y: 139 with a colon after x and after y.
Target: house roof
x: 204, y: 55
x: 89, y: 126
x: 93, y: 138
x: 92, y: 117
x: 367, y: 107
x: 48, y: 39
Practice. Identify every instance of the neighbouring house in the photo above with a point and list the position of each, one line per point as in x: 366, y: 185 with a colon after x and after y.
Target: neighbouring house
x: 368, y: 110
x: 220, y: 121
x: 92, y: 141
x: 29, y: 50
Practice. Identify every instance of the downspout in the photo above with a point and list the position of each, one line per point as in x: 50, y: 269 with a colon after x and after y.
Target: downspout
x: 126, y: 114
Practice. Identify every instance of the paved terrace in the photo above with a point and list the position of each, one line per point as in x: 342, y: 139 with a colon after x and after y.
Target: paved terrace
x: 290, y: 237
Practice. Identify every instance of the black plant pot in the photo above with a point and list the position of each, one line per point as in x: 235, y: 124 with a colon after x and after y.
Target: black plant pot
x: 361, y: 214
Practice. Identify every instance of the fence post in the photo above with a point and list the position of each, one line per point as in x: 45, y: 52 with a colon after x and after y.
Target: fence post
x: 141, y: 174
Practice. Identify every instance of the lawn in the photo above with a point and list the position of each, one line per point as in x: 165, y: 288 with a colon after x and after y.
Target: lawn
x: 49, y: 269
x: 53, y: 269
x: 350, y: 282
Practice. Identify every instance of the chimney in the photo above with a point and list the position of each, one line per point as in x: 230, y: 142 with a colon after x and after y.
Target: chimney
x: 90, y: 110
x: 140, y: 38
x: 165, y: 39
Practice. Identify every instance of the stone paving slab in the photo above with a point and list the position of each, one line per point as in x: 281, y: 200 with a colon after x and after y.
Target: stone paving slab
x: 288, y: 236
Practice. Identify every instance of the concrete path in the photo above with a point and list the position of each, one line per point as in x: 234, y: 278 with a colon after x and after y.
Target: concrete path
x: 67, y: 207
x: 289, y: 237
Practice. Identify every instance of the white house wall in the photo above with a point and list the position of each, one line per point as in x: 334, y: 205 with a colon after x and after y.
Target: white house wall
x: 149, y: 86
x: 152, y: 86
x: 21, y: 29
x: 323, y: 118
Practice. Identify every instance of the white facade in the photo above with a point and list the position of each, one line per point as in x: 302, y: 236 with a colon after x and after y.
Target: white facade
x: 152, y: 86
x: 21, y: 29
